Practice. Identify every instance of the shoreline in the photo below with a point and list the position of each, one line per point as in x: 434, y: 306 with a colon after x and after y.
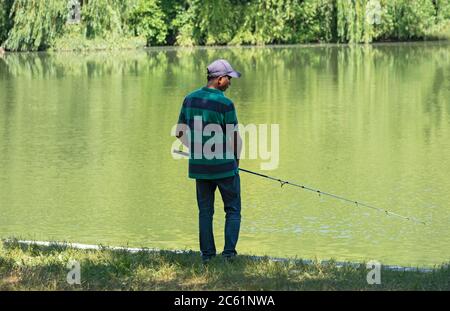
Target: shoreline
x: 51, y: 267
x: 132, y: 250
x: 444, y: 40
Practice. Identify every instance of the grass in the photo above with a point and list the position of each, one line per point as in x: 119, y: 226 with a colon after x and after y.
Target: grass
x: 75, y: 40
x: 32, y: 267
x: 442, y: 32
x: 81, y: 44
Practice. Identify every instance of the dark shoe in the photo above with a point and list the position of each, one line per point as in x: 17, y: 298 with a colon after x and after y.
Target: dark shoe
x: 229, y: 258
x: 206, y: 260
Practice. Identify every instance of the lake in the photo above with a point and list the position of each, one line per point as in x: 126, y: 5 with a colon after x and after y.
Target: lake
x: 85, y: 149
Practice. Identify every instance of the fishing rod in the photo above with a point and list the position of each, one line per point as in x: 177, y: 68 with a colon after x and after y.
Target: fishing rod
x: 338, y: 197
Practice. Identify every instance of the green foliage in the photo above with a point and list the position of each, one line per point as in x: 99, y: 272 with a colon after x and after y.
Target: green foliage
x: 36, y: 24
x: 75, y: 40
x: 217, y: 21
x: 398, y: 19
x: 185, y: 24
x: 410, y: 19
x: 266, y: 21
x: 317, y: 21
x: 5, y: 21
x: 255, y: 22
x: 443, y: 10
x: 208, y: 22
x: 291, y: 21
x: 3, y: 27
x: 173, y: 10
x: 147, y: 19
x: 104, y: 18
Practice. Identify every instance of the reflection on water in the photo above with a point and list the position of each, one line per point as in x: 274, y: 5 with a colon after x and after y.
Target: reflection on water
x: 85, y: 149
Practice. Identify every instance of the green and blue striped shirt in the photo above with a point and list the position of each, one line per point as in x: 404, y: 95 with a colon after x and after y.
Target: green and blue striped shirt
x: 215, y: 111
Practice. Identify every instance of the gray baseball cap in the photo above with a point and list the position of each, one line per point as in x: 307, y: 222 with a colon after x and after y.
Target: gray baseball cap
x: 220, y: 68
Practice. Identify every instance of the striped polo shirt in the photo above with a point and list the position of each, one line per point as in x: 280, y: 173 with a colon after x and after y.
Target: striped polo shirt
x: 207, y: 112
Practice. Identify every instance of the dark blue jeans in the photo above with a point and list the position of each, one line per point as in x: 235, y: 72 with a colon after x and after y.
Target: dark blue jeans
x: 230, y: 189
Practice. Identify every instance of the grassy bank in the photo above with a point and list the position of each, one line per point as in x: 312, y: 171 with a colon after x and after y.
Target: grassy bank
x: 77, y: 43
x: 74, y: 40
x: 32, y: 267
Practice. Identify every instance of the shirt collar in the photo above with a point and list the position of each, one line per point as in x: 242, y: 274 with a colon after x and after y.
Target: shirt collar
x: 208, y: 89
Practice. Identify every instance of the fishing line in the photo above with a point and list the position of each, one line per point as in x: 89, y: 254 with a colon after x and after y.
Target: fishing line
x: 320, y: 193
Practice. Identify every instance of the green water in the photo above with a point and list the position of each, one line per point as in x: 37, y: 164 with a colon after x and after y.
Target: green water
x: 85, y: 149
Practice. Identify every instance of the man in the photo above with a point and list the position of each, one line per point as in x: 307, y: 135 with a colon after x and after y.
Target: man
x: 214, y: 162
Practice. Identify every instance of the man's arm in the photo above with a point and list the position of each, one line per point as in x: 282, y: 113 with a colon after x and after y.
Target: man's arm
x: 182, y: 130
x: 237, y: 148
x: 181, y: 134
x: 235, y: 137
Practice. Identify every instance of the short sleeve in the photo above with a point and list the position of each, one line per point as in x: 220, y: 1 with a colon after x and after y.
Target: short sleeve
x: 182, y: 116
